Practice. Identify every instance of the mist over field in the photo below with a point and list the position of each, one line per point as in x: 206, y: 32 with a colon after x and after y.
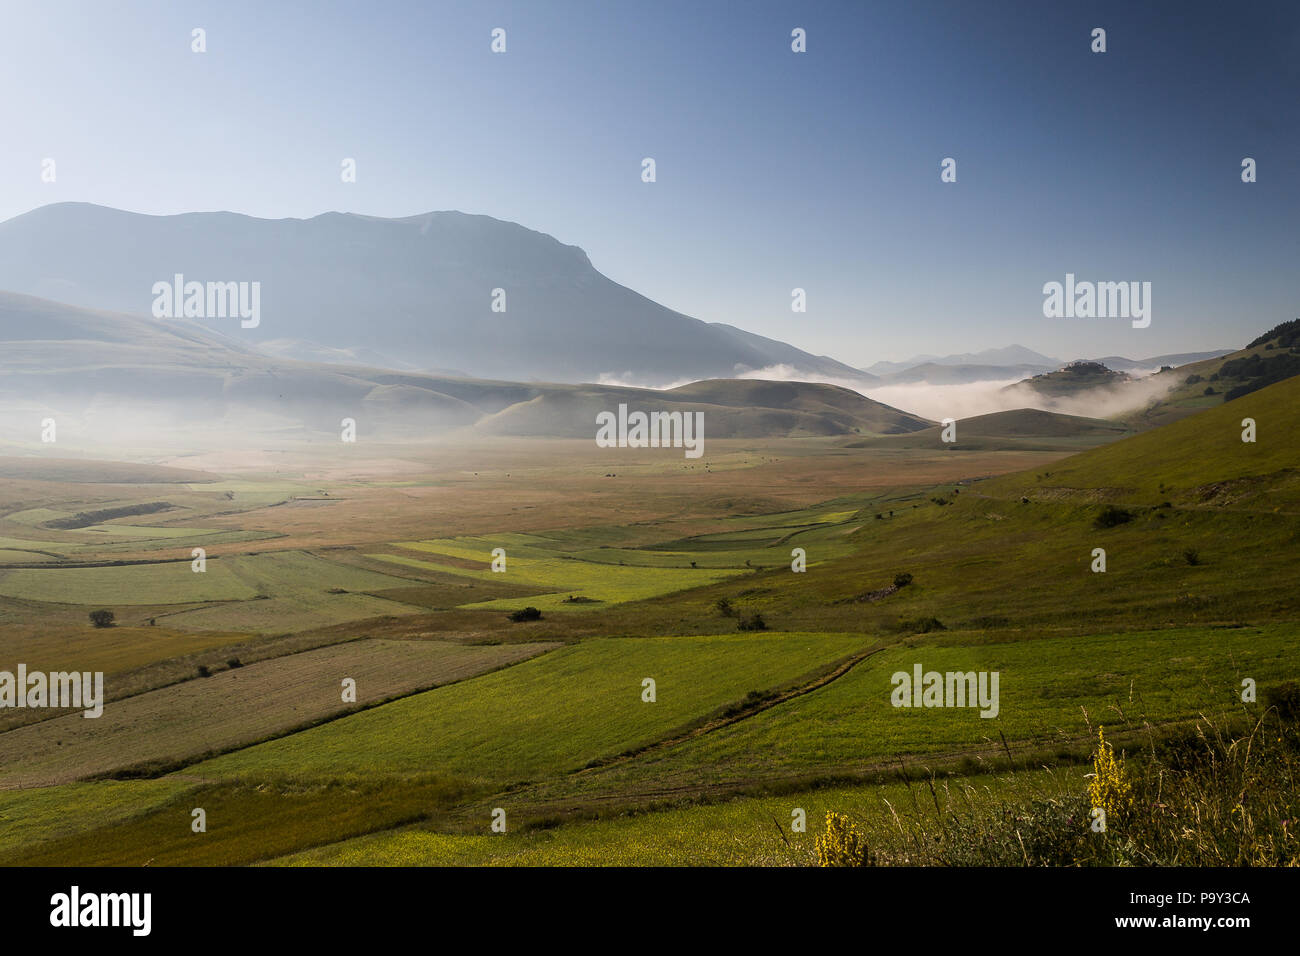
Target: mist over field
x: 980, y: 398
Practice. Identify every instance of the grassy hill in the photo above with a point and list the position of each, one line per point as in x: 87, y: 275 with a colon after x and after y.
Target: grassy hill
x: 1273, y: 357
x: 1021, y: 428
x: 1195, y: 461
x: 733, y: 408
x: 1071, y: 380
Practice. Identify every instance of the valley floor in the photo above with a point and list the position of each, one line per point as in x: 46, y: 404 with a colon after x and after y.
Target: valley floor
x: 710, y: 674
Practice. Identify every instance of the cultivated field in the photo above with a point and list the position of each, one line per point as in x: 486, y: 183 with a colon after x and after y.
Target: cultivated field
x: 236, y: 707
x: 772, y: 687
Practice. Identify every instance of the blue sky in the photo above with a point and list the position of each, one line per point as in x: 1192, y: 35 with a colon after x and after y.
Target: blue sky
x: 775, y: 170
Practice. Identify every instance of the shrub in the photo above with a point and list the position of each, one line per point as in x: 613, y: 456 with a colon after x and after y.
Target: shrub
x: 1109, y: 788
x: 1192, y: 556
x: 842, y: 844
x: 526, y: 614
x: 204, y: 671
x: 1111, y: 516
x: 922, y: 625
x: 102, y: 618
x: 754, y: 622
x: 234, y: 662
x: 902, y: 579
x: 1043, y: 832
x: 724, y: 607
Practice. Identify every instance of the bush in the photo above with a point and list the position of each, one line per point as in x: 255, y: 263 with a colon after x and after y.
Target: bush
x: 1192, y: 556
x: 1111, y: 516
x: 902, y: 579
x: 1109, y: 787
x: 842, y: 844
x: 754, y: 622
x: 1043, y: 832
x: 234, y: 662
x: 102, y: 618
x: 204, y: 670
x: 724, y: 607
x: 526, y: 614
x: 922, y: 625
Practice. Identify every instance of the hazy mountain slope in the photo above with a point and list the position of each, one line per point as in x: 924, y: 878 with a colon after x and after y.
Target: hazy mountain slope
x: 1121, y: 364
x: 934, y: 373
x: 1009, y: 355
x: 111, y: 375
x: 419, y: 288
x: 1014, y: 361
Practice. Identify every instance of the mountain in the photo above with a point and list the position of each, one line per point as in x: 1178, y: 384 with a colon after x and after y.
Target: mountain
x: 304, y: 351
x: 1014, y: 361
x: 933, y: 373
x: 1010, y: 355
x: 1121, y: 364
x: 420, y: 289
x: 108, y: 377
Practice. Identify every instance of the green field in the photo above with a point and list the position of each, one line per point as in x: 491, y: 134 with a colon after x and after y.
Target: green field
x: 283, y: 590
x: 1051, y: 690
x: 773, y: 688
x: 549, y: 715
x: 567, y: 575
x: 744, y: 832
x: 236, y: 707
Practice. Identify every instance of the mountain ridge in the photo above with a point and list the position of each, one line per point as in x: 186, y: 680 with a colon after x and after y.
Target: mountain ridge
x: 443, y: 289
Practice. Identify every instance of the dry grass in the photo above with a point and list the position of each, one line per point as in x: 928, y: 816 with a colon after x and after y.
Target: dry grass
x: 236, y: 707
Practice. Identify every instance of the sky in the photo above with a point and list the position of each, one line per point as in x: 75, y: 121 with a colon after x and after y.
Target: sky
x: 775, y: 170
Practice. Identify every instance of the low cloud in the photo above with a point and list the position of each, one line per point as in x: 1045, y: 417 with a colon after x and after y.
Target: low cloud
x: 981, y: 398
x: 964, y: 400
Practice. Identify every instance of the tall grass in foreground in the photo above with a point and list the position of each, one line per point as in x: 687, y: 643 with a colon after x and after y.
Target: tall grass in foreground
x: 1226, y: 793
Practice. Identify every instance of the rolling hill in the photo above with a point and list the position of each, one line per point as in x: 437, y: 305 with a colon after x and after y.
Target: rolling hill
x: 1027, y: 429
x: 1197, y: 460
x: 733, y: 408
x: 1272, y: 357
x: 99, y: 372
